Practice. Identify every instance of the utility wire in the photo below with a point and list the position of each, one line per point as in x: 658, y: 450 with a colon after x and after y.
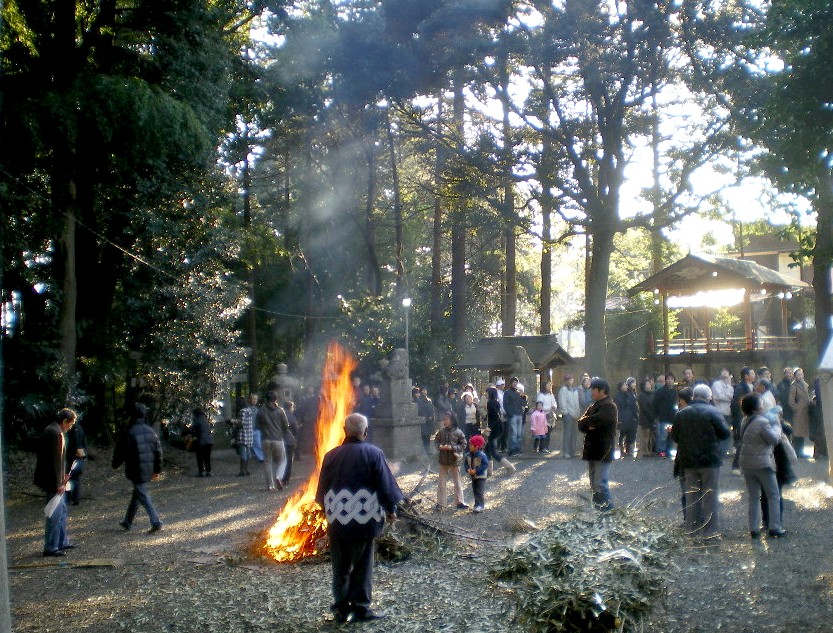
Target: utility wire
x: 141, y: 260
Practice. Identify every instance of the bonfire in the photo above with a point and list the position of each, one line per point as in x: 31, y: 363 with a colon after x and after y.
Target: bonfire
x: 300, y: 528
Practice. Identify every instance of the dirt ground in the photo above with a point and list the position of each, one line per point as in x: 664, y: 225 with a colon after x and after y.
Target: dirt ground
x: 198, y: 573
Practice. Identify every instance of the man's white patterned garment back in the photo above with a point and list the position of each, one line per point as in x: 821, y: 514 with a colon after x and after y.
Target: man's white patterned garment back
x: 346, y: 507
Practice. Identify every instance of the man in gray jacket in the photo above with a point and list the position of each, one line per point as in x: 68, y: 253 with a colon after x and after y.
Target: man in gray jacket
x: 568, y: 404
x: 273, y: 425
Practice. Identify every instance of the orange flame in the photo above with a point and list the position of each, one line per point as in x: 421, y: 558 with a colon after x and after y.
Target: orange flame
x: 301, y: 522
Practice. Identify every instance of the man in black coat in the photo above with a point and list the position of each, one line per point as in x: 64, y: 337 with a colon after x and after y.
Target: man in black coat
x: 51, y: 477
x: 358, y: 492
x: 599, y: 424
x: 783, y: 394
x: 141, y: 453
x: 744, y: 387
x: 698, y: 430
x: 665, y: 404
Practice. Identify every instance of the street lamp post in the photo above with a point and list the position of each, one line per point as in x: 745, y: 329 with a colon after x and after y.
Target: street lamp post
x: 406, y: 303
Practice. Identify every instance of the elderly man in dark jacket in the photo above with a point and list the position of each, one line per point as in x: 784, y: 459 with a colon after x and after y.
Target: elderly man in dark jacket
x: 698, y: 430
x: 141, y: 453
x: 357, y: 491
x: 598, y: 423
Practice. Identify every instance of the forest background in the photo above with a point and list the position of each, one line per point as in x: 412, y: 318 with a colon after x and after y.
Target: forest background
x: 194, y: 189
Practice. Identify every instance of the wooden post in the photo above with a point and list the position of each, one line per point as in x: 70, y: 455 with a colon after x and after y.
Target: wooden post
x: 747, y: 320
x: 785, y: 330
x: 666, y: 343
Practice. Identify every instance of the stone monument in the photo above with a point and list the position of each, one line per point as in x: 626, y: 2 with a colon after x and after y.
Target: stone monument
x: 396, y: 428
x: 287, y: 386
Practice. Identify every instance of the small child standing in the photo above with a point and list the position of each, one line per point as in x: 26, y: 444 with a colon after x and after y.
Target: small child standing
x: 538, y: 426
x: 451, y: 443
x: 477, y: 465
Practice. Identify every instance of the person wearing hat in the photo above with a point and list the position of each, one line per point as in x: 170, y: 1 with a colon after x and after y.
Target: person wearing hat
x: 477, y: 466
x: 599, y: 424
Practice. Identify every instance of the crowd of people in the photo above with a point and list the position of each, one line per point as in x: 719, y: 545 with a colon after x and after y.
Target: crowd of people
x: 763, y: 426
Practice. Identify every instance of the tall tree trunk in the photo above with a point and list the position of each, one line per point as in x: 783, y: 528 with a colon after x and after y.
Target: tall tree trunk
x: 305, y: 239
x: 64, y: 201
x: 507, y: 212
x: 435, y: 318
x: 659, y: 218
x: 545, y: 177
x: 251, y: 317
x: 374, y: 270
x: 398, y: 229
x: 822, y: 259
x: 459, y: 289
x: 597, y: 280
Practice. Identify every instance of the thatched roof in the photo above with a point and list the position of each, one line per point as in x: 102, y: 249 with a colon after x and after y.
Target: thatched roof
x: 498, y: 353
x: 694, y: 273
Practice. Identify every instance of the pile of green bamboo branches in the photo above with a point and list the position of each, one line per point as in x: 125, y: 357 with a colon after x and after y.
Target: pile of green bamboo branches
x: 602, y: 572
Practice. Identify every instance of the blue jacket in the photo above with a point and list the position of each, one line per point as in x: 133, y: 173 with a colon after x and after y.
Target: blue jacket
x: 479, y: 463
x: 356, y: 490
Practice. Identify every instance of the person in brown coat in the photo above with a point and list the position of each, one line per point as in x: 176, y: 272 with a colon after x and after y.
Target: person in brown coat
x: 799, y: 401
x: 451, y: 443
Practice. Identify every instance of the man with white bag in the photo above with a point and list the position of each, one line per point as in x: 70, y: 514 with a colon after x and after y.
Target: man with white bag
x: 52, y: 478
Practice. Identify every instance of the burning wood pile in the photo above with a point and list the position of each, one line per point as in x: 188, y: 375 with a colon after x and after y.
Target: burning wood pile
x: 300, y: 528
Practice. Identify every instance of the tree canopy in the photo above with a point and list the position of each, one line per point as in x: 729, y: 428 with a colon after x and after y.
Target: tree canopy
x: 197, y: 190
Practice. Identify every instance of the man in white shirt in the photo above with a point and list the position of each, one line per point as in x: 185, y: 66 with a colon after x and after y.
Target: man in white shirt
x: 722, y: 393
x: 568, y: 403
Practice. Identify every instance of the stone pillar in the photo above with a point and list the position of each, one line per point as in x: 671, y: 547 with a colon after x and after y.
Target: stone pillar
x: 523, y: 368
x: 396, y: 428
x: 287, y: 386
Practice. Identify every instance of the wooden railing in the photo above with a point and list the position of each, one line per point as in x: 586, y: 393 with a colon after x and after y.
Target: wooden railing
x: 759, y: 342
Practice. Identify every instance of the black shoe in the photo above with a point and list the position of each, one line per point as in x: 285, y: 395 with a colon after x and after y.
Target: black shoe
x: 55, y: 553
x: 125, y: 525
x: 779, y: 534
x: 755, y: 534
x: 69, y: 546
x: 155, y: 528
x: 368, y: 615
x: 341, y: 618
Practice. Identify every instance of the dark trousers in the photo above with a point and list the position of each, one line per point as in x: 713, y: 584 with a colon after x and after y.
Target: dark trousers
x: 352, y: 561
x: 492, y: 444
x: 204, y: 458
x: 478, y: 489
x: 290, y: 456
